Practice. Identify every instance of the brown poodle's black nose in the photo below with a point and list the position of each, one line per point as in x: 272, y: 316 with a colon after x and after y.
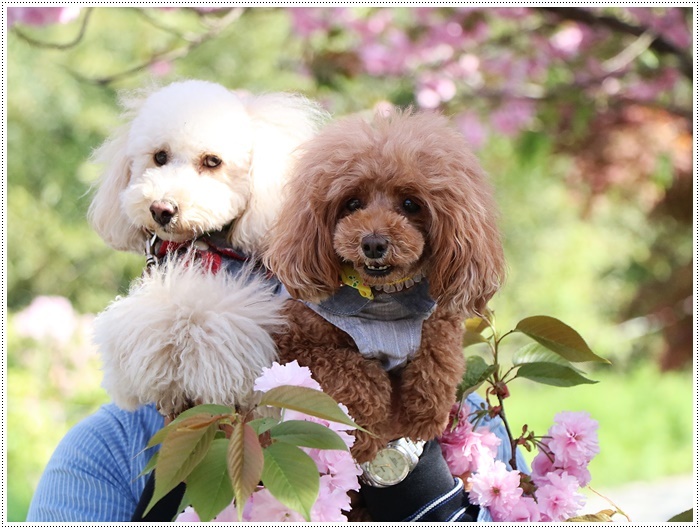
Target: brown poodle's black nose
x: 374, y: 246
x: 163, y: 211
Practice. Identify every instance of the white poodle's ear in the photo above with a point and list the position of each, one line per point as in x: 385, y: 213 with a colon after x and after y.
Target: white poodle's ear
x: 281, y: 122
x: 105, y: 214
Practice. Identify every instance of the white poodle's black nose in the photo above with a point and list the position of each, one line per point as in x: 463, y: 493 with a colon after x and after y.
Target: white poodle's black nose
x: 163, y: 211
x: 374, y: 246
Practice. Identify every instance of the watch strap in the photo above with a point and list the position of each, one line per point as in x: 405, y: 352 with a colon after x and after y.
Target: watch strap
x: 431, y: 480
x: 413, y: 449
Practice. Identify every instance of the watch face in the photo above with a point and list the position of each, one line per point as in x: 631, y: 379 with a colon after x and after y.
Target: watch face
x: 389, y: 467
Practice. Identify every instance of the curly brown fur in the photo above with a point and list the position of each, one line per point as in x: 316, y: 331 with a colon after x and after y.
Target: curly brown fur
x: 397, y: 197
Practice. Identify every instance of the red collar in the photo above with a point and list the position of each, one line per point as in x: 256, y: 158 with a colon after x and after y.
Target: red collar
x: 202, y: 249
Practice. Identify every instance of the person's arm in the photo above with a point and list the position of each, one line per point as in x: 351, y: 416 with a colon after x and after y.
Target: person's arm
x: 93, y: 476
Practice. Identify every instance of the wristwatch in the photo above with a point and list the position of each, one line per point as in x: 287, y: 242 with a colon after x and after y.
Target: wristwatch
x: 392, y: 464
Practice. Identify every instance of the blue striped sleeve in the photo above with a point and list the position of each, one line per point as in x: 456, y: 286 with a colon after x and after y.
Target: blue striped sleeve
x: 93, y: 474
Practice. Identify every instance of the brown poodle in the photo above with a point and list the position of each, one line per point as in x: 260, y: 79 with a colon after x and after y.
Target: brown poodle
x: 388, y: 241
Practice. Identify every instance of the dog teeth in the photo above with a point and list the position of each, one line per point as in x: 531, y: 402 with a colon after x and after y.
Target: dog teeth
x: 372, y: 267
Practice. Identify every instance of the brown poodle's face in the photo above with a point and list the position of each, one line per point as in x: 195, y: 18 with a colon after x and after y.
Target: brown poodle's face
x: 396, y: 198
x: 381, y: 233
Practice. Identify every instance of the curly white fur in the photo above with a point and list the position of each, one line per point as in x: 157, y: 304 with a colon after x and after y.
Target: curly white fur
x: 183, y: 335
x: 208, y: 346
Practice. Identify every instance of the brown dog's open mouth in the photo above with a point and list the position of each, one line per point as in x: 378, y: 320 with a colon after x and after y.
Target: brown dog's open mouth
x: 378, y: 270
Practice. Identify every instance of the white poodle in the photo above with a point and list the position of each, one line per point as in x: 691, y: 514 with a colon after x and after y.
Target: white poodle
x: 196, y: 179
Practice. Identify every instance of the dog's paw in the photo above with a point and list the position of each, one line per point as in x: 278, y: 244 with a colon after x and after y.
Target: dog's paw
x: 426, y: 428
x: 423, y: 415
x: 366, y: 446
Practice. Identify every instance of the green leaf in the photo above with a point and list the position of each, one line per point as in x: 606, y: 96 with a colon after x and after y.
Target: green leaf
x: 472, y: 338
x: 188, y: 418
x: 245, y: 463
x: 309, y: 434
x: 181, y: 451
x: 262, y: 424
x: 558, y: 337
x: 685, y: 516
x: 476, y: 324
x: 308, y: 401
x: 476, y: 372
x: 552, y: 374
x: 208, y: 409
x: 150, y: 465
x: 208, y: 485
x: 534, y: 352
x: 291, y: 476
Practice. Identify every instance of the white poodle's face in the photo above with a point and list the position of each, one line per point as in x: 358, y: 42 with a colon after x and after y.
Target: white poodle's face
x: 189, y: 154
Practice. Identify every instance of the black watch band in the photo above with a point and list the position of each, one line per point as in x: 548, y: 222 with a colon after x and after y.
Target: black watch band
x: 428, y: 494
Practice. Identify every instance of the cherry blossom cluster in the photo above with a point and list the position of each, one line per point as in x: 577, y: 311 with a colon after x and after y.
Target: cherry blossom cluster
x: 559, y: 469
x: 499, y: 70
x: 338, y: 471
x: 510, y: 58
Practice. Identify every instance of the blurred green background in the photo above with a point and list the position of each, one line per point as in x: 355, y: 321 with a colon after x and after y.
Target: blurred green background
x: 615, y: 265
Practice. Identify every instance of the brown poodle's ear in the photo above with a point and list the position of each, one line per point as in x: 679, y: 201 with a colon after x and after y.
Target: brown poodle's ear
x: 467, y: 266
x: 301, y: 252
x: 105, y: 214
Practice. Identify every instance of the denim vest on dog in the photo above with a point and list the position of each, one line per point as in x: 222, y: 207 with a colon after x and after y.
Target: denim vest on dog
x: 387, y: 327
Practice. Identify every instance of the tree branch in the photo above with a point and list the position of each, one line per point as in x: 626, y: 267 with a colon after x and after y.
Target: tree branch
x: 54, y: 45
x: 170, y: 54
x: 658, y: 44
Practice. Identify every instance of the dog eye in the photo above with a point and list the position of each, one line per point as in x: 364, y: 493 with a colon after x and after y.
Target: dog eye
x: 353, y: 204
x: 160, y: 158
x: 410, y: 206
x: 211, y: 161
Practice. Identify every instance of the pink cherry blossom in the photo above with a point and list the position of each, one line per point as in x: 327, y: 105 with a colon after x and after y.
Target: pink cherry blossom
x: 497, y: 488
x: 526, y: 510
x: 541, y: 466
x: 290, y: 374
x: 47, y: 318
x: 669, y: 24
x: 264, y: 507
x: 307, y: 21
x: 40, y: 16
x: 189, y: 515
x: 512, y: 116
x: 471, y: 126
x: 229, y: 514
x: 559, y: 499
x: 573, y: 438
x: 463, y: 447
x: 331, y: 502
x: 161, y: 68
x: 568, y: 39
x: 339, y: 467
x: 387, y: 56
x: 434, y: 90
